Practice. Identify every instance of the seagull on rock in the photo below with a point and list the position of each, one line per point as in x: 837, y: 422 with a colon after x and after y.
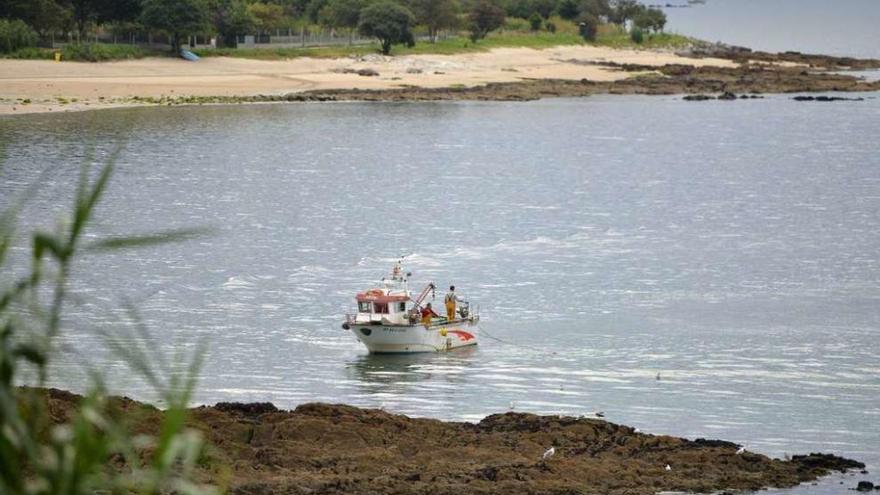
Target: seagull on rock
x: 741, y: 451
x: 668, y: 467
x: 512, y: 405
x: 549, y: 453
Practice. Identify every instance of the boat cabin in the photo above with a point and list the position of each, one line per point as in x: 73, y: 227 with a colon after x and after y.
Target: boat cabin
x: 383, y: 306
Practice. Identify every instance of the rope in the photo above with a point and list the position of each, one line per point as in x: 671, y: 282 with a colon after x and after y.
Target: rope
x: 514, y: 344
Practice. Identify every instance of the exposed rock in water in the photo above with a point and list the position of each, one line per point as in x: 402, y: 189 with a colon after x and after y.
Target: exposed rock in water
x: 367, y: 72
x: 727, y: 95
x: 698, y: 98
x: 865, y: 486
x: 339, y: 449
x: 825, y: 98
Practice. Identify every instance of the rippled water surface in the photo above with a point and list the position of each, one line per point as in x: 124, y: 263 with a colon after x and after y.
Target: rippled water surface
x: 839, y: 27
x: 730, y: 247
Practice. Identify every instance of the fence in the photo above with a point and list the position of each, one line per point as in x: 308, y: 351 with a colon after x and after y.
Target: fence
x: 305, y: 38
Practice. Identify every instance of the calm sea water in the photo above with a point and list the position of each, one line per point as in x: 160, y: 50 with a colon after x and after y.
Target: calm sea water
x: 841, y: 27
x: 731, y: 247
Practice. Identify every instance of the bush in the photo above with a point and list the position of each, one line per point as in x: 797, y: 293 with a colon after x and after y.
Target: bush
x: 31, y: 53
x: 98, y: 52
x: 551, y: 26
x: 588, y: 25
x: 637, y: 36
x: 535, y: 21
x: 15, y: 34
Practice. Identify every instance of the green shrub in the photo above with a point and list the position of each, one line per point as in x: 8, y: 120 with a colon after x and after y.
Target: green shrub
x: 637, y: 35
x: 588, y: 25
x: 97, y: 52
x: 535, y: 21
x: 550, y: 26
x: 15, y: 34
x: 31, y: 53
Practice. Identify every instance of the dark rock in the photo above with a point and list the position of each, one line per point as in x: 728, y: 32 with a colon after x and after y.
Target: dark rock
x: 825, y: 98
x: 413, y: 70
x: 727, y: 95
x: 826, y: 462
x: 367, y: 73
x: 250, y: 408
x: 698, y: 98
x: 865, y: 486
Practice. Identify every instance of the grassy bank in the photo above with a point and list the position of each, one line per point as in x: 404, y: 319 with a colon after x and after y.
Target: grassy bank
x: 87, y: 52
x: 514, y: 35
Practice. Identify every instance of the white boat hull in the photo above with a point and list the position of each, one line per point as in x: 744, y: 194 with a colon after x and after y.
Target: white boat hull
x: 401, y: 339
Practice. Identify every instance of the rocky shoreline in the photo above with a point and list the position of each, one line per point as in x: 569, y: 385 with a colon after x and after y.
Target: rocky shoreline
x: 336, y: 449
x: 750, y: 79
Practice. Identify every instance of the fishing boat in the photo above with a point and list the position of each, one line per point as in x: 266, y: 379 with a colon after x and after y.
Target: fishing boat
x: 389, y: 320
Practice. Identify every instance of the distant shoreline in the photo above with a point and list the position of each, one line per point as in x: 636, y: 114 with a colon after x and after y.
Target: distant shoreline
x: 334, y: 449
x: 504, y: 74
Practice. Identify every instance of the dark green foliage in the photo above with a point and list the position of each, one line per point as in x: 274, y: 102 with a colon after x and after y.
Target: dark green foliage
x: 519, y: 8
x: 177, y: 17
x: 650, y: 20
x: 569, y: 9
x: 99, y: 52
x: 484, y: 18
x: 588, y: 26
x: 389, y: 22
x: 550, y: 26
x: 597, y: 8
x: 435, y: 14
x: 637, y: 36
x: 535, y: 21
x: 624, y: 10
x: 313, y: 10
x: 544, y: 7
x: 42, y: 15
x: 231, y: 19
x: 342, y: 14
x: 15, y: 34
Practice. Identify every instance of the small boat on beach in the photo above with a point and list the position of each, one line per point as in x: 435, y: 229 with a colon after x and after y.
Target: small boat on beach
x: 389, y: 320
x: 188, y: 55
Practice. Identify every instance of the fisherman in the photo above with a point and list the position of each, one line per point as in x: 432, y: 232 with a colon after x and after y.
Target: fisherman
x: 427, y: 313
x: 450, y: 303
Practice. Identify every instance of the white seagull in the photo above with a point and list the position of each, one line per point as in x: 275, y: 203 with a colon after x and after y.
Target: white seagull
x: 512, y: 405
x: 637, y: 430
x: 741, y: 450
x: 549, y: 453
x: 668, y: 467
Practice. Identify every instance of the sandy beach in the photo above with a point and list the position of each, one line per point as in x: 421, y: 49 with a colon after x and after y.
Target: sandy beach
x: 71, y: 86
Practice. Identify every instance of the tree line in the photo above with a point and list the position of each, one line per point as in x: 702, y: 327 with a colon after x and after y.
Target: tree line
x: 389, y: 21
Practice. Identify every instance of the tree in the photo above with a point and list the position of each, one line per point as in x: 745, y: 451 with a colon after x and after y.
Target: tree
x: 436, y: 15
x: 597, y: 8
x: 544, y: 7
x: 650, y: 20
x: 267, y: 16
x: 569, y: 9
x: 177, y: 17
x: 43, y: 15
x: 518, y: 8
x: 231, y: 19
x: 342, y: 14
x: 484, y: 18
x: 313, y: 10
x: 624, y: 10
x: 389, y: 22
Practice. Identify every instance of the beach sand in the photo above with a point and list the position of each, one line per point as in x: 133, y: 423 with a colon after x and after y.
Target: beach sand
x: 71, y: 86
